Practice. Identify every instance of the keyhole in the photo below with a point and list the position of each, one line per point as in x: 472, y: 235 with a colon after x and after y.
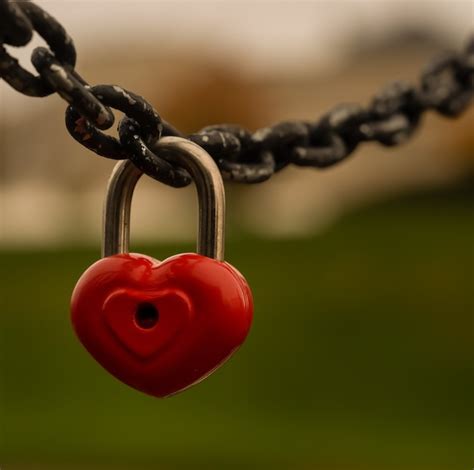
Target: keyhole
x: 146, y: 316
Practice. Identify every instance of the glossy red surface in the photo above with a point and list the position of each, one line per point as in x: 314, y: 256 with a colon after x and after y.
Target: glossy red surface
x: 204, y: 310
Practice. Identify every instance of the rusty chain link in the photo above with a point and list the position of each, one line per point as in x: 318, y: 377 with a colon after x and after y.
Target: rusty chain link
x: 446, y: 86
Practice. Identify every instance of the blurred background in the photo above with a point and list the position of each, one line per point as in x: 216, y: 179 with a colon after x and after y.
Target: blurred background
x: 361, y: 354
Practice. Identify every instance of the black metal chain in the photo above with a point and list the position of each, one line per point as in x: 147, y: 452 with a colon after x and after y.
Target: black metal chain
x: 446, y: 86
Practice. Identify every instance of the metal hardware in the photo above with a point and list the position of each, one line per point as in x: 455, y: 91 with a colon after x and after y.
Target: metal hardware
x: 210, y: 190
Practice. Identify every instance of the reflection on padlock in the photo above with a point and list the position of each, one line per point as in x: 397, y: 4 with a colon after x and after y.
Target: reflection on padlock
x: 161, y: 327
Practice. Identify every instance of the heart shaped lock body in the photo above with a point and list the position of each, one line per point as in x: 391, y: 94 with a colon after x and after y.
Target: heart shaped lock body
x: 195, y: 312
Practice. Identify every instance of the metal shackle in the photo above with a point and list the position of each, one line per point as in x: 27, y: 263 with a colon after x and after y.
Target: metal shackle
x: 210, y: 190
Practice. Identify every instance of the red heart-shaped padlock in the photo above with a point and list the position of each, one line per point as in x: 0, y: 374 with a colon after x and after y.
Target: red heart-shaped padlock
x: 161, y: 327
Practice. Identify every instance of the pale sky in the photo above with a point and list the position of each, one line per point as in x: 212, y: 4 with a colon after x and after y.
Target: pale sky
x: 265, y: 31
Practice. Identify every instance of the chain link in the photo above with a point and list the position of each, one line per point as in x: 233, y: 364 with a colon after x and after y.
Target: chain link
x: 446, y: 86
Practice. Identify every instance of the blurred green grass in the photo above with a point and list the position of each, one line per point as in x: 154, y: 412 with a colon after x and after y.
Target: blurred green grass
x: 360, y: 357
